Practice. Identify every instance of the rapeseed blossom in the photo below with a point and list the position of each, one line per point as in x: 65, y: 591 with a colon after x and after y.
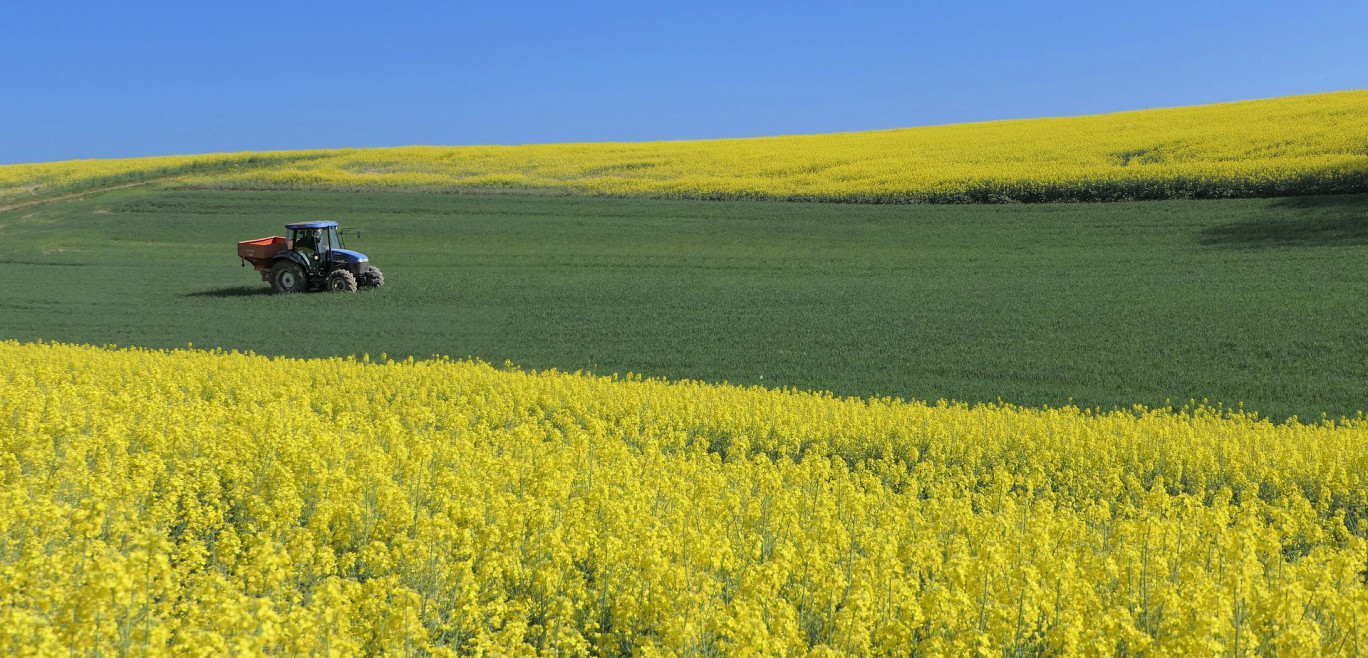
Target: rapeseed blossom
x: 215, y: 502
x: 1275, y: 147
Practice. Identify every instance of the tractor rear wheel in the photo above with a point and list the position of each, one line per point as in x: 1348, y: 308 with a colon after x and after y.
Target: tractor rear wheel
x: 288, y: 277
x: 371, y: 277
x: 341, y: 281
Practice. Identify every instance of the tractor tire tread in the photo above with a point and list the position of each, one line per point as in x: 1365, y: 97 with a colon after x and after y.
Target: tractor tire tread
x: 342, y: 281
x: 372, y: 277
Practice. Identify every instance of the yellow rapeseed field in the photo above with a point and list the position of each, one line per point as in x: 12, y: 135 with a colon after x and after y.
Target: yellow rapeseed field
x: 26, y: 181
x: 211, y: 503
x: 1282, y: 146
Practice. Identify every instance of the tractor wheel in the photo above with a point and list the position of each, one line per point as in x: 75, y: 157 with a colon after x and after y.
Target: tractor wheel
x: 372, y: 278
x: 288, y: 277
x: 341, y: 281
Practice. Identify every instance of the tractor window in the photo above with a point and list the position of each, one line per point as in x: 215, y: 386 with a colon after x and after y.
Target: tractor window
x: 306, y: 241
x: 327, y: 240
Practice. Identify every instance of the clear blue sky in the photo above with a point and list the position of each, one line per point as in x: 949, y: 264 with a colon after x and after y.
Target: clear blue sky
x: 107, y: 79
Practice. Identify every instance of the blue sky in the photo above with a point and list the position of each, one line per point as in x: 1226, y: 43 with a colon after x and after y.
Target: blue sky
x: 84, y: 80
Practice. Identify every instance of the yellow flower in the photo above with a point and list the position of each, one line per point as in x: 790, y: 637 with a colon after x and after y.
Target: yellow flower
x: 453, y: 508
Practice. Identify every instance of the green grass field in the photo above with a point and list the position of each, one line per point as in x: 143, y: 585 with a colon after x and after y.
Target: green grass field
x: 1253, y: 301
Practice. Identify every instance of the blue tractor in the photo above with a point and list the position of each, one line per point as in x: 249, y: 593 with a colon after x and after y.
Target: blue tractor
x: 310, y: 257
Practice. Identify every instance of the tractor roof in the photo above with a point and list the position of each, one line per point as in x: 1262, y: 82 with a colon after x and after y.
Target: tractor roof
x: 300, y: 225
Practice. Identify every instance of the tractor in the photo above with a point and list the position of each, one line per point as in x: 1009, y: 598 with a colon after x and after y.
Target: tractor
x: 310, y: 257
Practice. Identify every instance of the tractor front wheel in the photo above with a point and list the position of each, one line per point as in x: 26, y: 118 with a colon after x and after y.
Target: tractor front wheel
x: 341, y: 281
x: 288, y: 277
x: 372, y: 277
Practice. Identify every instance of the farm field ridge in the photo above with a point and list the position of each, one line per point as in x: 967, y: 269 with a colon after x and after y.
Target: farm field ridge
x: 1290, y: 146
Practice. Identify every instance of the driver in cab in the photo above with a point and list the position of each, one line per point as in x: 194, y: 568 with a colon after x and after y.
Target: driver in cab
x: 307, y: 245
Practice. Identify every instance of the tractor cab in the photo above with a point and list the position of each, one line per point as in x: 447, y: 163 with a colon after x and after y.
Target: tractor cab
x: 320, y: 244
x: 310, y: 257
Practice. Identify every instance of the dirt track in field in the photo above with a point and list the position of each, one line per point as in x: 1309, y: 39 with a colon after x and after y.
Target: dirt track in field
x: 74, y: 196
